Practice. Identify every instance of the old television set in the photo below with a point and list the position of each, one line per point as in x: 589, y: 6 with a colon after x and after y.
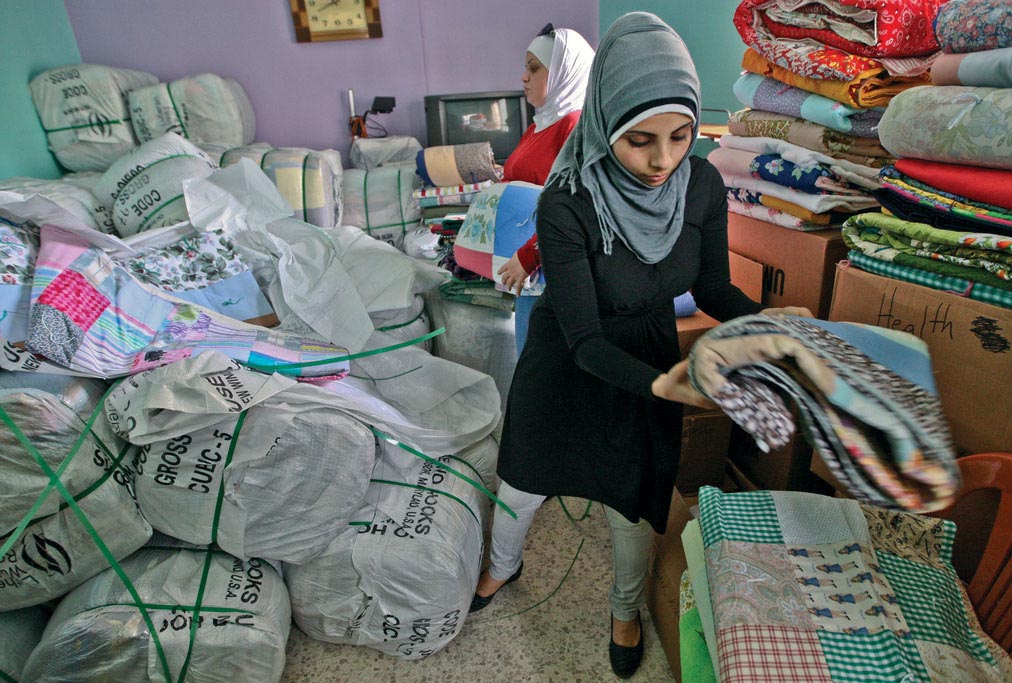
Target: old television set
x: 499, y: 118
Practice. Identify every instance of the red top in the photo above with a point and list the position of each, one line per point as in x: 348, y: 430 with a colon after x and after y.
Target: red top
x: 531, y: 162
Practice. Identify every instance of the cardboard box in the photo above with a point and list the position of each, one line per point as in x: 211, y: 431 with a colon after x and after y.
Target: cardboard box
x: 970, y: 343
x: 706, y: 436
x: 798, y: 267
x: 664, y: 579
x: 747, y: 275
x: 782, y: 469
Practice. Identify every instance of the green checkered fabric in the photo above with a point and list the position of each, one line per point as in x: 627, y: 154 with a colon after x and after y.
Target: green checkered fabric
x: 895, y: 271
x: 749, y: 516
x: 881, y: 657
x: 931, y: 605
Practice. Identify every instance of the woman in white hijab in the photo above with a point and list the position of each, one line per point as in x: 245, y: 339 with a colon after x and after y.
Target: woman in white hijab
x: 556, y: 68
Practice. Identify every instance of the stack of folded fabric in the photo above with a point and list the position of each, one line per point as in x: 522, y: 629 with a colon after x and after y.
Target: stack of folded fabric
x: 947, y: 203
x: 796, y: 587
x: 817, y: 75
x: 452, y: 175
x: 865, y: 395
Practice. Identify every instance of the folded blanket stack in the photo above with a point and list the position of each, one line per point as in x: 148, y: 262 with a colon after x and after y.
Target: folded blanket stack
x: 949, y: 221
x: 818, y: 75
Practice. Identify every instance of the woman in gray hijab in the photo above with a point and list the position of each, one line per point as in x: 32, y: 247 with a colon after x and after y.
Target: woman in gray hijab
x: 628, y: 221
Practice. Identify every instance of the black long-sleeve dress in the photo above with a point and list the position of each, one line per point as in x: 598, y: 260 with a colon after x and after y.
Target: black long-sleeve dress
x: 581, y: 419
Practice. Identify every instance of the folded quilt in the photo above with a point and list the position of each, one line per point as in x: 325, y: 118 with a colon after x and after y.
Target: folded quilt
x: 952, y: 124
x: 865, y: 397
x: 753, y: 198
x: 871, y: 86
x: 909, y: 200
x: 974, y: 25
x: 987, y: 185
x: 815, y: 203
x: 774, y: 216
x: 871, y: 28
x: 978, y: 257
x: 769, y: 94
x: 457, y: 164
x: 465, y: 188
x: 756, y: 123
x: 499, y: 221
x: 808, y: 178
x: 478, y: 292
x: 90, y: 315
x: 988, y: 69
x: 918, y: 276
x: 812, y: 589
x: 858, y: 174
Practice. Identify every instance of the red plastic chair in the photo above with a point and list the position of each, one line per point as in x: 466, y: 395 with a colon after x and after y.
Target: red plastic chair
x: 990, y: 588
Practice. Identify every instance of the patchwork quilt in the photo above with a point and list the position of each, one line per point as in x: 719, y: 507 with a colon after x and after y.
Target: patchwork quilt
x: 811, y: 589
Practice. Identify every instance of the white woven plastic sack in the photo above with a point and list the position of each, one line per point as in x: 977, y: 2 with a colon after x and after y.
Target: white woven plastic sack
x: 405, y: 324
x: 422, y: 243
x: 385, y: 278
x: 56, y: 552
x: 145, y: 187
x: 98, y: 634
x: 20, y: 631
x: 79, y: 202
x: 83, y: 109
x: 380, y: 202
x: 294, y: 471
x: 401, y: 579
x: 479, y: 337
x: 205, y: 109
x: 432, y: 404
x: 310, y: 180
x: 370, y: 153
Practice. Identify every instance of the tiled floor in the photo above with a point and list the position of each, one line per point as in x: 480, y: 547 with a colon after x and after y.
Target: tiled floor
x: 541, y: 629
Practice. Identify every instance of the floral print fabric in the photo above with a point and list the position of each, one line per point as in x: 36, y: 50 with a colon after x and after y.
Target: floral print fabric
x: 974, y: 25
x: 952, y: 124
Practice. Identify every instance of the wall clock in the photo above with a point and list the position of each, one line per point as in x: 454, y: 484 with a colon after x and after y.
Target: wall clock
x: 318, y: 20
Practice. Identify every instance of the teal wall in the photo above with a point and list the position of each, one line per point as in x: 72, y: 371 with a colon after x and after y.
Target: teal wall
x: 709, y: 33
x: 34, y: 35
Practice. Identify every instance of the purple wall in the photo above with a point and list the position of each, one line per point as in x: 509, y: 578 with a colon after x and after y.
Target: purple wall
x: 299, y: 90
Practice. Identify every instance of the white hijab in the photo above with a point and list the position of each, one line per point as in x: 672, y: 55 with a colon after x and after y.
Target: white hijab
x: 568, y: 72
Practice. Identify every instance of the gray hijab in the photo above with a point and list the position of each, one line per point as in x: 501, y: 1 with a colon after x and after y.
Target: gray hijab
x: 640, y: 64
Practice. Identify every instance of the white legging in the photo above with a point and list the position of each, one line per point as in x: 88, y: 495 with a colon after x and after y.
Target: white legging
x: 631, y: 544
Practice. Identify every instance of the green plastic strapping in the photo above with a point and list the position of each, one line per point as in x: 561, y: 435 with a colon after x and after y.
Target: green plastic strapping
x: 381, y: 379
x: 585, y: 515
x: 86, y: 523
x: 155, y: 211
x: 6, y: 677
x: 195, y: 624
x: 424, y: 488
x: 365, y: 201
x: 278, y: 367
x: 84, y: 125
x: 396, y: 327
x: 428, y: 458
x: 305, y: 209
x: 172, y: 101
x: 44, y: 494
x: 544, y: 599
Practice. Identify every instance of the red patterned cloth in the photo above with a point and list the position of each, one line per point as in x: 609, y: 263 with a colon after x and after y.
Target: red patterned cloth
x: 901, y: 28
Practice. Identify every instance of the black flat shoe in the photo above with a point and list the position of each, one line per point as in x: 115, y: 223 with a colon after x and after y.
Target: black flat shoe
x: 625, y: 660
x: 480, y: 602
